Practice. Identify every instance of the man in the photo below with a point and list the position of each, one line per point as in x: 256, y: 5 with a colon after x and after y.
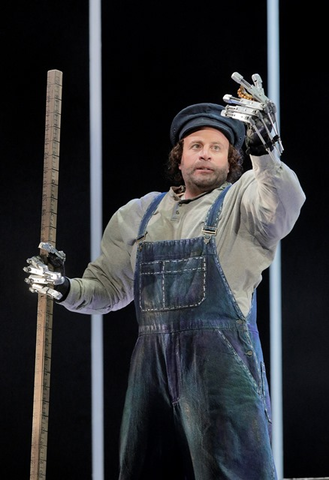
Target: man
x: 197, y: 404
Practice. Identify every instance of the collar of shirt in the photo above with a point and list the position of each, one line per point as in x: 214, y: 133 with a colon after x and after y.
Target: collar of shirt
x: 177, y: 193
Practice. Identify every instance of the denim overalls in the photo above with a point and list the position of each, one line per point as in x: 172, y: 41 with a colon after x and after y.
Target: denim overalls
x: 197, y: 404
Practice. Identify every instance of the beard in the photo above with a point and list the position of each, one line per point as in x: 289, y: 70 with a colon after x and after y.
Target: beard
x: 203, y: 179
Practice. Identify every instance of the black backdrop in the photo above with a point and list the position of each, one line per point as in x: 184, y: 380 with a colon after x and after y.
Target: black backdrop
x: 157, y: 58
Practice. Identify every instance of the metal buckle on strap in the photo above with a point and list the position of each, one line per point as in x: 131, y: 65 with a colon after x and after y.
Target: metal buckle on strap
x: 208, y: 232
x: 140, y: 239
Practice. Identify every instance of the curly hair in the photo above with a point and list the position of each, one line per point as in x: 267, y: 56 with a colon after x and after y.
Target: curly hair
x: 235, y: 160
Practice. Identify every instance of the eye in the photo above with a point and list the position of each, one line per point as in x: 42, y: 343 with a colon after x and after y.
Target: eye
x: 196, y: 146
x: 216, y: 148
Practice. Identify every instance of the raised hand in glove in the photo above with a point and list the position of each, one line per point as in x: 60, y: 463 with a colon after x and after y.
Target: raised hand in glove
x: 47, y: 273
x: 255, y: 109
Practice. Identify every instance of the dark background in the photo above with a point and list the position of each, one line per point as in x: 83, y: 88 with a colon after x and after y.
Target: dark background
x: 157, y: 59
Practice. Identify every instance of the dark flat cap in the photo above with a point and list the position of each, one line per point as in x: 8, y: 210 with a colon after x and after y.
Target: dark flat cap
x: 206, y: 115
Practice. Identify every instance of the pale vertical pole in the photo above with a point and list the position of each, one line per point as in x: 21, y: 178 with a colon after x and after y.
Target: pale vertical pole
x: 96, y: 228
x: 273, y: 65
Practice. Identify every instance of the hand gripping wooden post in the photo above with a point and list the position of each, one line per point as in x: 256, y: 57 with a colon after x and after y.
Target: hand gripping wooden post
x: 45, y: 303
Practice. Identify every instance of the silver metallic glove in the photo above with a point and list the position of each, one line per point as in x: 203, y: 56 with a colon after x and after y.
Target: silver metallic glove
x: 255, y: 109
x: 47, y: 272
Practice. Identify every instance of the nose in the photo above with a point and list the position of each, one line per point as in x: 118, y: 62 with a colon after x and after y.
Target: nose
x: 205, y: 152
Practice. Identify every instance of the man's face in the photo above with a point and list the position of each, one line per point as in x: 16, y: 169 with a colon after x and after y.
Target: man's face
x: 204, y: 164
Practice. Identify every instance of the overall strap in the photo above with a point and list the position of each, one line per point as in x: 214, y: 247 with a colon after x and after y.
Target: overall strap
x: 148, y: 214
x: 212, y: 218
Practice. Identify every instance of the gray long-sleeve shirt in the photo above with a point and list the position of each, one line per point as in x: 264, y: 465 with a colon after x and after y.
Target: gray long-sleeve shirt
x: 259, y: 210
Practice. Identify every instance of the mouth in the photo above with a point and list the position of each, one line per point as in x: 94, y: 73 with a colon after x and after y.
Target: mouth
x: 203, y: 169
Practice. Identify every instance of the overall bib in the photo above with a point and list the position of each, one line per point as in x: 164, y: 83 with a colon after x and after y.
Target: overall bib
x: 197, y: 404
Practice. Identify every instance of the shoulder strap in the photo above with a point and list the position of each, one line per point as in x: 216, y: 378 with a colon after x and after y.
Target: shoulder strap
x: 212, y: 218
x: 148, y: 214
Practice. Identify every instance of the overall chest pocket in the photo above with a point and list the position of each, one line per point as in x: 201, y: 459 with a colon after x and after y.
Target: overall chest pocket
x: 172, y: 284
